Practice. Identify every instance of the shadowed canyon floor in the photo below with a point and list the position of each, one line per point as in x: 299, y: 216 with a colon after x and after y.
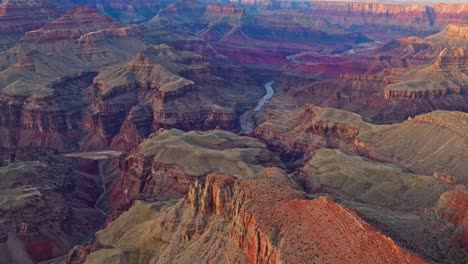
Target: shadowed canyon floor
x: 187, y: 131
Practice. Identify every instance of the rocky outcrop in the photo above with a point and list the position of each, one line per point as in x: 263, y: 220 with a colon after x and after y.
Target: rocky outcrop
x: 386, y: 16
x: 43, y: 102
x: 453, y: 207
x: 372, y: 170
x: 20, y: 16
x: 446, y: 76
x: 249, y: 225
x: 391, y: 93
x: 375, y: 189
x: 370, y: 78
x: 418, y: 19
x: 84, y: 25
x: 390, y: 89
x: 229, y: 10
x: 452, y: 13
x: 322, y: 131
x: 452, y: 57
x: 316, y: 127
x: 134, y: 129
x: 46, y: 121
x: 78, y: 36
x: 155, y: 168
x: 106, y: 34
x: 227, y: 198
x: 47, y: 206
x: 454, y: 121
x: 458, y: 30
x: 178, y: 88
x: 175, y: 89
x: 443, y: 177
x: 297, y: 28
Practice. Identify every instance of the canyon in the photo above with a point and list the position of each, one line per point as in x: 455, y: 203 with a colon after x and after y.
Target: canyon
x: 233, y: 131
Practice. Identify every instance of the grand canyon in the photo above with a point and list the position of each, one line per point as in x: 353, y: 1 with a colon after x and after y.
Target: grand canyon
x: 233, y: 131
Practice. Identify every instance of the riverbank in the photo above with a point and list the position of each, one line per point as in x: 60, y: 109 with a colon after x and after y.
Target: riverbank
x: 246, y: 119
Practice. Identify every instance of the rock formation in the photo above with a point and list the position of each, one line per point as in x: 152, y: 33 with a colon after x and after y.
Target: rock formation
x: 48, y: 83
x: 372, y: 17
x: 168, y: 162
x: 447, y: 75
x: 20, y: 16
x: 370, y: 170
x: 246, y: 224
x: 47, y: 206
x: 169, y: 88
x: 314, y: 127
x: 453, y: 207
x: 404, y: 78
x: 121, y: 115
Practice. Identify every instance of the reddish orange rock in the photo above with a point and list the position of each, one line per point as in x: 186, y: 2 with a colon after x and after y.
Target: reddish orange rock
x: 453, y: 207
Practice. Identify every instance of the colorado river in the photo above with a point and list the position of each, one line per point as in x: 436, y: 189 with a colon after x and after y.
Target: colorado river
x: 97, y: 205
x: 100, y: 157
x: 246, y: 119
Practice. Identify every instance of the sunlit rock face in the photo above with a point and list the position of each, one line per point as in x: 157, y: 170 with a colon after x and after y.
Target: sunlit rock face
x: 272, y: 131
x: 249, y: 224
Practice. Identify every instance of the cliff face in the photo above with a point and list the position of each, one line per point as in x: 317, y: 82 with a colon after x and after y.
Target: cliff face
x: 417, y: 19
x: 47, y: 206
x: 19, y: 16
x: 445, y: 76
x: 231, y: 28
x: 450, y: 13
x: 297, y: 27
x: 426, y: 94
x: 42, y: 95
x: 317, y: 127
x: 169, y: 88
x: 155, y: 170
x: 453, y: 207
x: 341, y: 154
x: 78, y: 21
x: 363, y: 13
x: 249, y: 225
x: 229, y: 10
x: 65, y: 84
x: 45, y: 121
x: 401, y: 81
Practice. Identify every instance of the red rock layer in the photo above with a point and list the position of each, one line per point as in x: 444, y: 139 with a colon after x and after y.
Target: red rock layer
x: 49, y: 206
x: 229, y: 10
x: 19, y: 16
x: 78, y: 21
x: 280, y: 226
x: 52, y: 125
x: 453, y: 208
x: 261, y: 220
x: 454, y: 13
x: 415, y: 18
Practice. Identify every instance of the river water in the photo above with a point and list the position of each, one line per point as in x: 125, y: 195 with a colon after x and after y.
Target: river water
x: 246, y: 119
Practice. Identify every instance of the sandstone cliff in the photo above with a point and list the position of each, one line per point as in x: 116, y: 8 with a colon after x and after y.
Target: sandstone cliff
x: 247, y: 224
